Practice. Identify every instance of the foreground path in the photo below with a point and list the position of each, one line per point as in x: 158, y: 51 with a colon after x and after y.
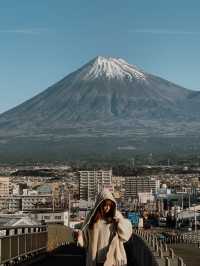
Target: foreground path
x: 138, y: 254
x: 189, y: 252
x: 67, y: 255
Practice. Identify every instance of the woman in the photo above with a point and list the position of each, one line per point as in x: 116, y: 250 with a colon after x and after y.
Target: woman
x: 104, y: 232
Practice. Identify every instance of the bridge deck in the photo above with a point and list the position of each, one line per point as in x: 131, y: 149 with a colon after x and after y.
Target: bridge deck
x: 138, y: 254
x: 66, y: 255
x: 189, y: 252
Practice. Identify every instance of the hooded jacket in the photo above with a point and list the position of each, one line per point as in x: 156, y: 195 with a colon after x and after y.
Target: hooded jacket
x: 88, y: 238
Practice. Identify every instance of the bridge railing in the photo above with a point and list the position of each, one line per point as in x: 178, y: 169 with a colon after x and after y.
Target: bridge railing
x: 162, y: 253
x: 17, y: 243
x: 183, y: 237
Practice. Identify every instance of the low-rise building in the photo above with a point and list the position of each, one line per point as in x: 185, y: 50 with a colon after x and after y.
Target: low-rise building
x: 144, y: 197
x: 10, y: 204
x: 36, y: 202
x: 8, y: 220
x: 51, y: 217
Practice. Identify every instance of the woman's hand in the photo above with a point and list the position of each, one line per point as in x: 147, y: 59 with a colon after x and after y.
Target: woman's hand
x: 116, y: 221
x: 76, y: 233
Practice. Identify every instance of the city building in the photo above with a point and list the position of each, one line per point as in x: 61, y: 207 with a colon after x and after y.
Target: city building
x: 118, y: 183
x: 135, y: 185
x: 144, y: 197
x: 51, y: 217
x: 4, y: 186
x: 92, y: 182
x: 10, y: 204
x: 9, y: 220
x: 36, y: 202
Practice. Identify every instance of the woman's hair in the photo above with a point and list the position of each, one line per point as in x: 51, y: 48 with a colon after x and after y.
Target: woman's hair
x: 99, y: 214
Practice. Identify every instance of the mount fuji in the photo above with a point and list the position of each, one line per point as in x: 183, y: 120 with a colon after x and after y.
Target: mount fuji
x: 105, y: 107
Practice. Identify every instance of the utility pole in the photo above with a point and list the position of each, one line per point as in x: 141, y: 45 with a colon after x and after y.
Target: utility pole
x: 195, y: 220
x: 53, y: 202
x: 69, y: 208
x: 182, y: 201
x: 189, y: 200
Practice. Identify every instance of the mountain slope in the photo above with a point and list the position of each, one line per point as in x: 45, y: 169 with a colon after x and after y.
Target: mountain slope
x: 106, y: 108
x: 104, y: 89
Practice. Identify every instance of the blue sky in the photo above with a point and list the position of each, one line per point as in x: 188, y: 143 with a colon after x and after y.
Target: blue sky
x: 42, y: 41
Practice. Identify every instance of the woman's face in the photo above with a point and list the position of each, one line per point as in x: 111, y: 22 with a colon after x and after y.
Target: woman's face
x: 106, y: 206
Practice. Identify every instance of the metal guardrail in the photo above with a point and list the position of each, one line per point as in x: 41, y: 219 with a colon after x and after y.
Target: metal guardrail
x: 17, y: 243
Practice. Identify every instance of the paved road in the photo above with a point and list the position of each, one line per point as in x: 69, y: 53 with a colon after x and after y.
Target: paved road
x: 189, y: 252
x: 138, y: 254
x: 66, y: 255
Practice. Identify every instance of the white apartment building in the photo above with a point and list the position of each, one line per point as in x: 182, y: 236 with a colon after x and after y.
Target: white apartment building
x: 92, y: 182
x: 52, y: 217
x: 144, y: 197
x: 135, y: 185
x: 11, y: 204
x: 30, y: 203
x: 26, y: 203
x: 4, y: 186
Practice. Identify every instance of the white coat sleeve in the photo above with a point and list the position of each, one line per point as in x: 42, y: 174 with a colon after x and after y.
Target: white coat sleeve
x: 82, y: 239
x: 124, y: 227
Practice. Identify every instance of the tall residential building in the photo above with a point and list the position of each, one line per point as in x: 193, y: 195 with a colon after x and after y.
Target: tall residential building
x: 92, y: 182
x: 4, y: 186
x: 135, y: 185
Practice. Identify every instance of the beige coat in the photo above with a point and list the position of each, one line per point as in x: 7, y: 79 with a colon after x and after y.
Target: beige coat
x: 88, y: 238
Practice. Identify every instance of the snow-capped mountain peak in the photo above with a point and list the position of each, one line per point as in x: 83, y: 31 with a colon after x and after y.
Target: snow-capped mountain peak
x: 112, y: 68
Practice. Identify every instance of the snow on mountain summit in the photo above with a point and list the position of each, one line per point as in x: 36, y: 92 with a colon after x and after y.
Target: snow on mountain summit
x: 112, y: 68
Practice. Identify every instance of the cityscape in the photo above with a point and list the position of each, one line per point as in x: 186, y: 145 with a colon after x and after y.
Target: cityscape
x: 164, y: 204
x: 100, y: 133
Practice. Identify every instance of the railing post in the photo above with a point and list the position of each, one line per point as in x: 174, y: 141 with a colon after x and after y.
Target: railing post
x: 0, y: 251
x: 160, y: 253
x: 153, y: 243
x: 160, y: 244
x: 165, y: 247
x: 156, y: 247
x: 167, y: 261
x: 171, y: 253
x: 25, y: 233
x: 180, y: 261
x: 10, y: 245
x: 18, y: 242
